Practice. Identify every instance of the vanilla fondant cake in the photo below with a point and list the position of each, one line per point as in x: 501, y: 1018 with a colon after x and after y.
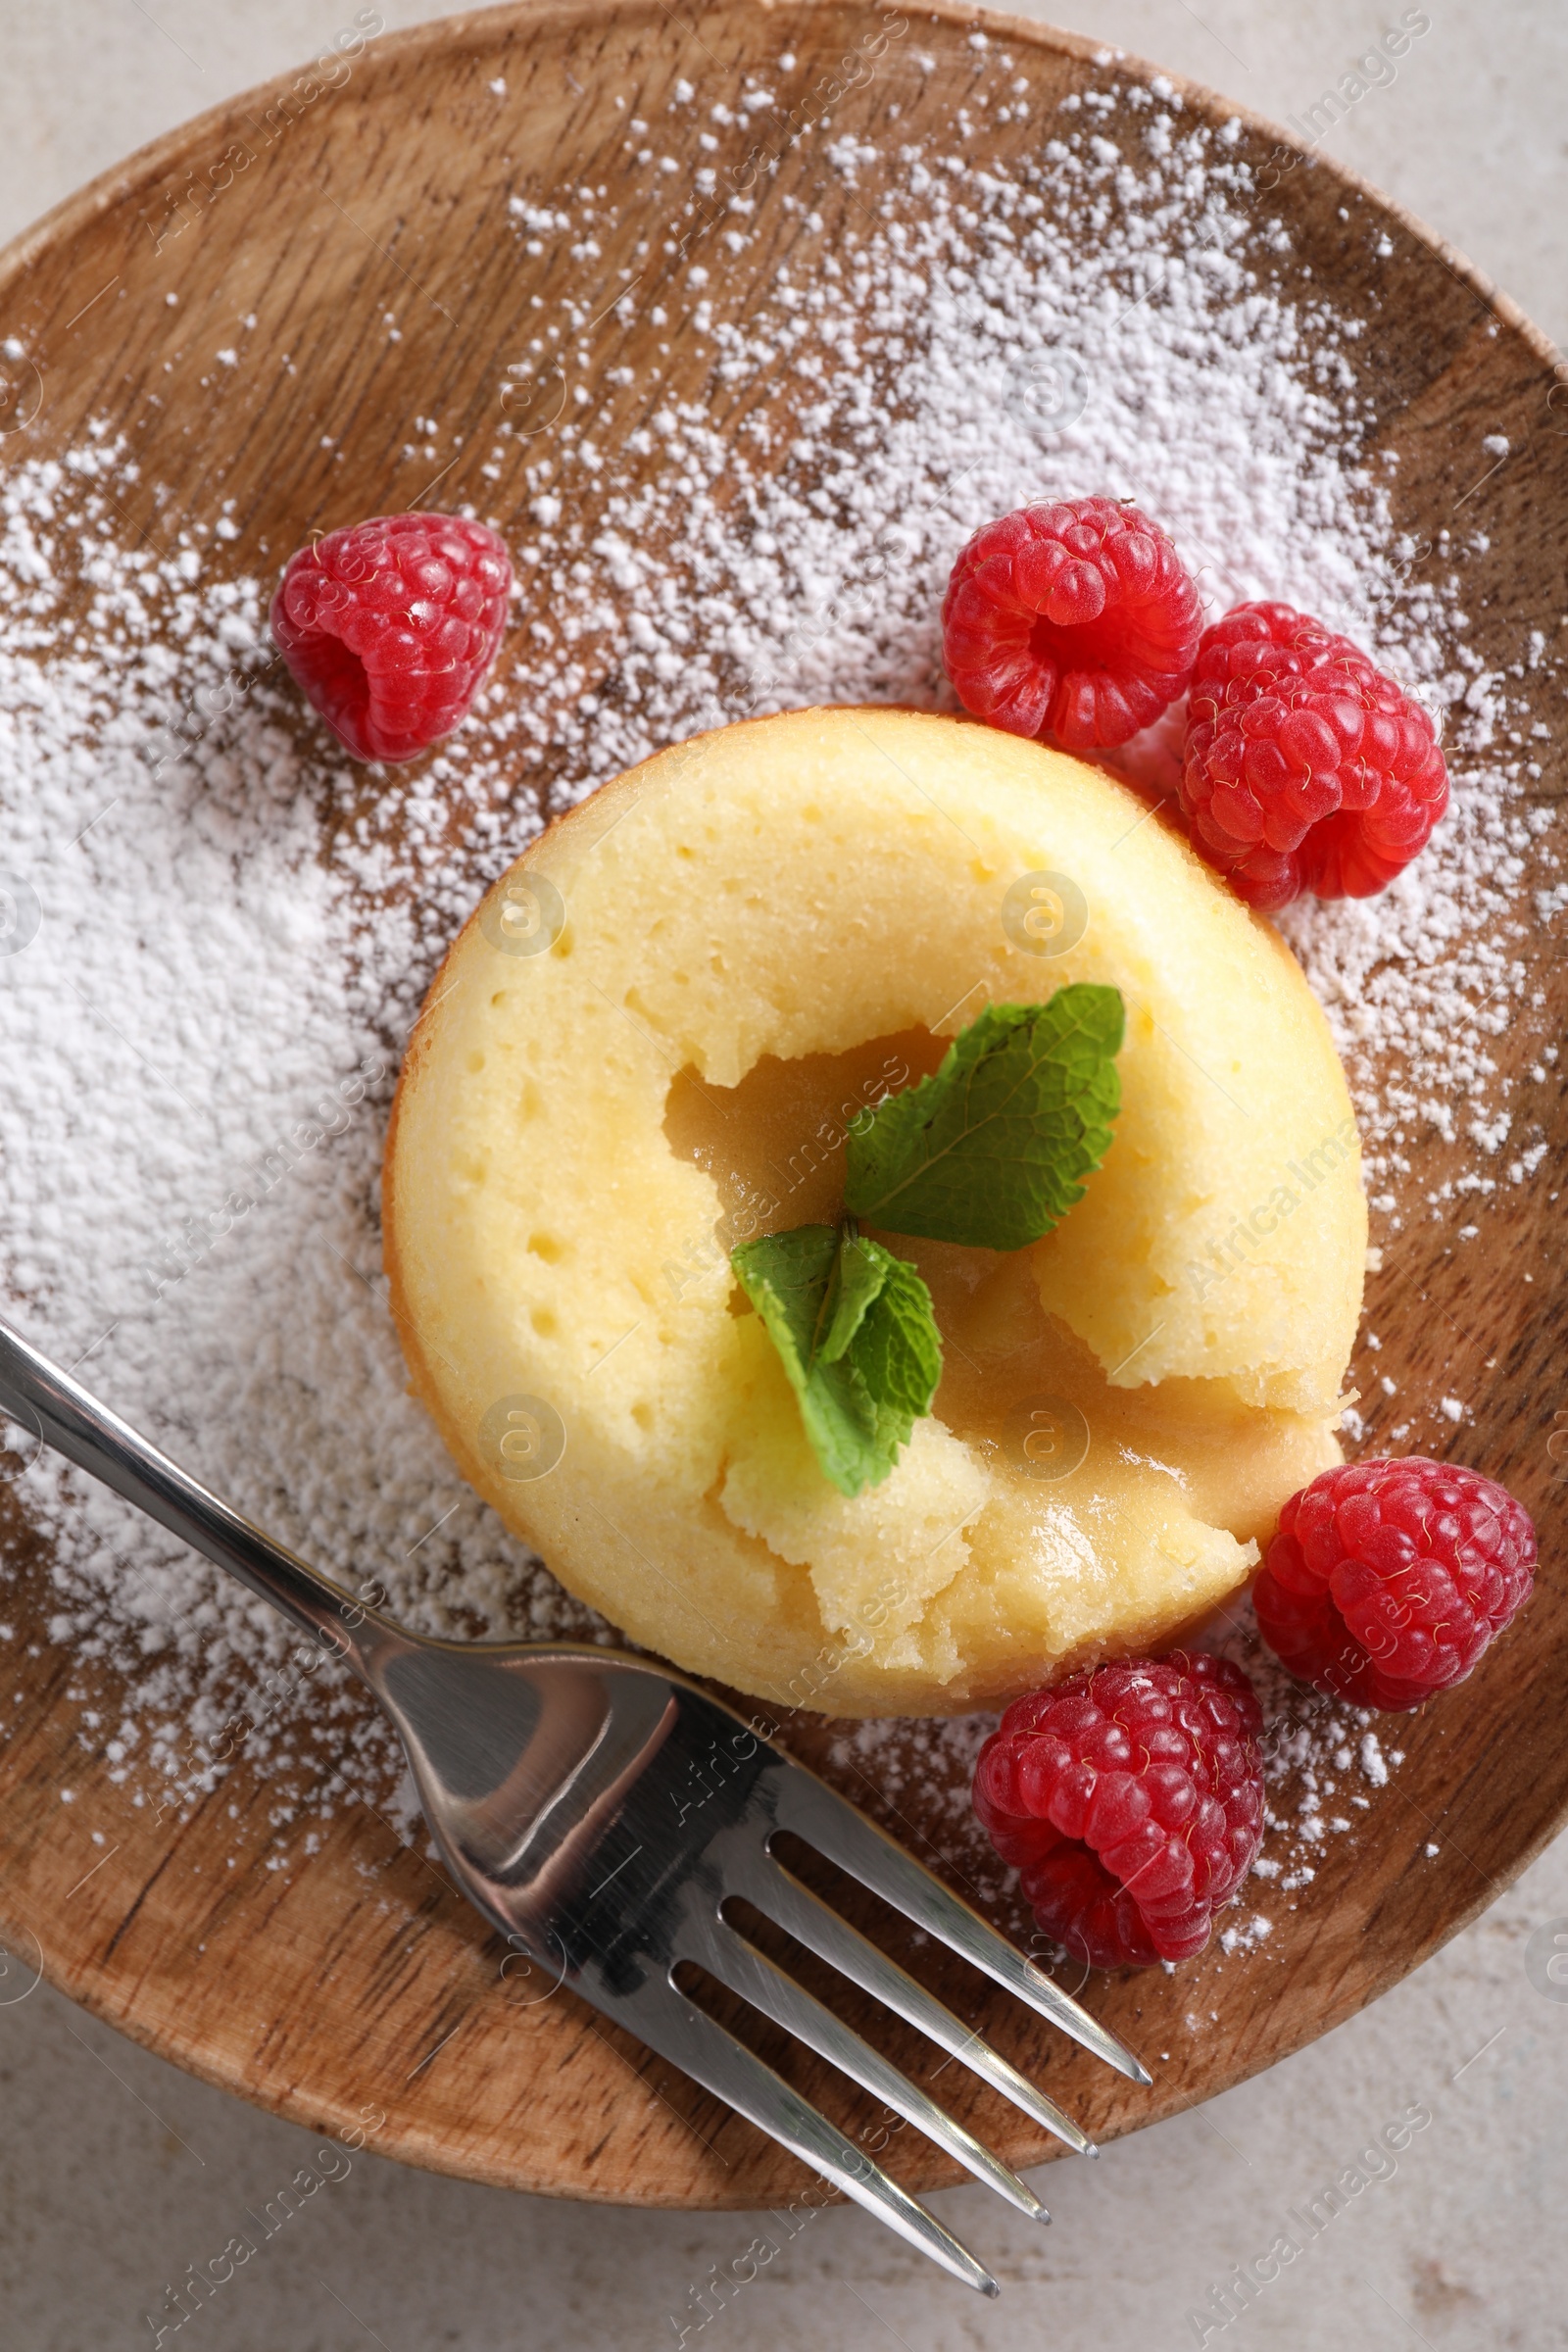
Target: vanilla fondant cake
x: 647, y: 1046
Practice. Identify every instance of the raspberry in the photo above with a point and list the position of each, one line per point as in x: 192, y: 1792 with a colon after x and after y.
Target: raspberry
x: 389, y: 626
x: 1306, y: 769
x: 1076, y: 620
x: 1131, y: 1800
x: 1388, y: 1579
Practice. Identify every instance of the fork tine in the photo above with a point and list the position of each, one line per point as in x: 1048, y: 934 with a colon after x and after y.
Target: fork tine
x: 831, y: 1823
x: 661, y: 2016
x: 813, y: 1923
x: 738, y: 1964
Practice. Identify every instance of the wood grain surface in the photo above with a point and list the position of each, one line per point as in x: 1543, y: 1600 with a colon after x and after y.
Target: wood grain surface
x: 353, y: 1990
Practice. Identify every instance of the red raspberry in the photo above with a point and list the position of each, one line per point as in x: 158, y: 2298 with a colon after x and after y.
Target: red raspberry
x: 389, y: 627
x: 1076, y: 620
x: 1306, y: 769
x: 1388, y: 1579
x: 1131, y: 1799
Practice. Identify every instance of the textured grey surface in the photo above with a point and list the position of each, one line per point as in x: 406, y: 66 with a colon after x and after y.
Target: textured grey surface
x: 116, y: 2172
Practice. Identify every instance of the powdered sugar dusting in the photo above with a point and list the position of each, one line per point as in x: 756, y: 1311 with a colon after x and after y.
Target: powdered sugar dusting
x: 235, y: 927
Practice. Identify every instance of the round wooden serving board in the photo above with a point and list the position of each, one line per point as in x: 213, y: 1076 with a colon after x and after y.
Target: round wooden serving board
x: 351, y: 1989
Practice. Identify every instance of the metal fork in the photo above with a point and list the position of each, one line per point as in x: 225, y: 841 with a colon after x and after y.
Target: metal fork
x: 601, y: 1811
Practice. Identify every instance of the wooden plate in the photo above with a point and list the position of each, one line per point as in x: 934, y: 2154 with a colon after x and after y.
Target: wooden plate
x: 353, y: 1990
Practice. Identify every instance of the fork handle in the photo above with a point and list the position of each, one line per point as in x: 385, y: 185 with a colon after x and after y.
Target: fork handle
x: 64, y: 1415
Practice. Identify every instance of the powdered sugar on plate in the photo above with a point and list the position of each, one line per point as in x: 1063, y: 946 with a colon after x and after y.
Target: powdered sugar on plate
x: 229, y: 930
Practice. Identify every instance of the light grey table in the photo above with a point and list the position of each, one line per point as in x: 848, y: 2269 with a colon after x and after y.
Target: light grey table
x: 116, y: 2172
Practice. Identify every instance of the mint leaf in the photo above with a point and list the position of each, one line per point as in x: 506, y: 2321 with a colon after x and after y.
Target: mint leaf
x: 855, y: 1329
x: 990, y: 1151
x: 899, y: 1353
x: 859, y: 1273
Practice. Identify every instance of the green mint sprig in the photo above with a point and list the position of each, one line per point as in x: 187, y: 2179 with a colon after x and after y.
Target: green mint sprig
x: 855, y: 1330
x: 990, y: 1151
